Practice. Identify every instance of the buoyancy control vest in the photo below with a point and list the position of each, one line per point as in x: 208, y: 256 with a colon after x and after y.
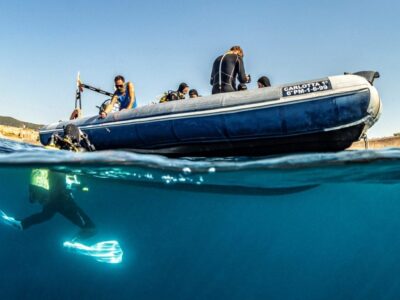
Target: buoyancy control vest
x: 172, y: 96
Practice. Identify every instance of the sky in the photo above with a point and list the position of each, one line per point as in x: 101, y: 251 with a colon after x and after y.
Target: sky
x: 158, y: 44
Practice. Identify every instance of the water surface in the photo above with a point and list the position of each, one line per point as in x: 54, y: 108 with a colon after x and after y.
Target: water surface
x: 310, y: 226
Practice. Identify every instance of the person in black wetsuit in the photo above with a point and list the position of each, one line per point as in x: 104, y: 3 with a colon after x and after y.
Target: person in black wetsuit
x: 49, y: 189
x: 263, y: 82
x: 52, y: 190
x: 193, y: 94
x: 226, y: 69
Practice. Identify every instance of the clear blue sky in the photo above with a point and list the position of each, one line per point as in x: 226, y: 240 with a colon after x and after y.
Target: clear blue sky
x: 157, y: 44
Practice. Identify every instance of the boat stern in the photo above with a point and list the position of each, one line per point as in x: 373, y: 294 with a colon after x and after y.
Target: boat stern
x: 374, y: 108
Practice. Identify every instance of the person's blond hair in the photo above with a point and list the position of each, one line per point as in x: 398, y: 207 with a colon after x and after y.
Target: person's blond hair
x: 238, y: 49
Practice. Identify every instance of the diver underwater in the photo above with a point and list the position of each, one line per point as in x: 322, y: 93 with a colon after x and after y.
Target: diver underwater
x: 54, y: 192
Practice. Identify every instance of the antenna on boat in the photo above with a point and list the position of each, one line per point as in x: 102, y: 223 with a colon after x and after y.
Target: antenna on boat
x: 78, y: 98
x: 77, y: 112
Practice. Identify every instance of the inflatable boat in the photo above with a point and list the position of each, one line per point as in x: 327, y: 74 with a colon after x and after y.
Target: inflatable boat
x: 326, y: 114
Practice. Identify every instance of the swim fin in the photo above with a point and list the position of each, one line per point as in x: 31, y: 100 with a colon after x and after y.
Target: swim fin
x: 108, y: 252
x: 10, y: 221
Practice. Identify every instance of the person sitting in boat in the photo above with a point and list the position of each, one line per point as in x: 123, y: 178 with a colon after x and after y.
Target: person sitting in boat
x: 124, y: 96
x: 226, y: 69
x: 180, y: 94
x: 193, y: 94
x: 263, y: 82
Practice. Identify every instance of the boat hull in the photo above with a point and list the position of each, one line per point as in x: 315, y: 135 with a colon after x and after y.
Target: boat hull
x: 228, y: 125
x: 329, y: 141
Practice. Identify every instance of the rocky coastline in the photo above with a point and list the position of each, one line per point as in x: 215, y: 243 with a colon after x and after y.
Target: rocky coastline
x: 23, y: 135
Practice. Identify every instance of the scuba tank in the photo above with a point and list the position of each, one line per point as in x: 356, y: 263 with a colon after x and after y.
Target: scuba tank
x: 39, y: 186
x: 107, y: 102
x: 72, y: 139
x: 172, y: 96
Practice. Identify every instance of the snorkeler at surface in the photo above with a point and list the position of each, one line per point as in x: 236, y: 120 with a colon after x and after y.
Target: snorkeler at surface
x: 49, y: 189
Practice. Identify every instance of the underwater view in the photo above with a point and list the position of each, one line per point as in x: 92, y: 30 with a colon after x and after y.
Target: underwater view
x: 128, y: 226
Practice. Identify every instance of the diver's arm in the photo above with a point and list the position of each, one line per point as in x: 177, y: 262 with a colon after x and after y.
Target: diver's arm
x: 131, y: 93
x: 241, y: 72
x: 213, y: 72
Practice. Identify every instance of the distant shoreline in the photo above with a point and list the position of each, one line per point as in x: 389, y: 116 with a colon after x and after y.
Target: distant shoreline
x: 23, y: 135
x: 377, y: 143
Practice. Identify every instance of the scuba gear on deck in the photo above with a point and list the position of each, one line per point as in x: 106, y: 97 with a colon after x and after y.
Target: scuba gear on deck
x: 103, y: 106
x: 172, y: 96
x: 175, y: 95
x: 73, y: 139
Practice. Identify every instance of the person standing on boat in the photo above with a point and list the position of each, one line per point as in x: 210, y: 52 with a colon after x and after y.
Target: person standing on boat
x: 226, y: 69
x: 124, y: 96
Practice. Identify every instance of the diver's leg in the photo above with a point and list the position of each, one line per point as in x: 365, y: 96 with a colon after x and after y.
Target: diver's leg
x: 70, y: 210
x: 46, y: 214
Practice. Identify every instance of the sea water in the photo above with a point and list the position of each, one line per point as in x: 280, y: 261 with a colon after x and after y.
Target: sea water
x: 307, y: 226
